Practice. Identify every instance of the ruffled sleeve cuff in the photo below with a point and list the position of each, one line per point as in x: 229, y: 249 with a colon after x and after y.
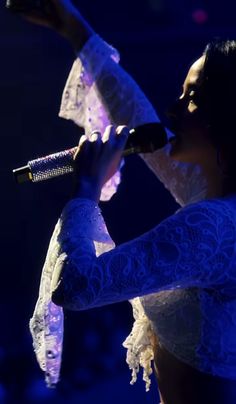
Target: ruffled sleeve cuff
x: 81, y: 101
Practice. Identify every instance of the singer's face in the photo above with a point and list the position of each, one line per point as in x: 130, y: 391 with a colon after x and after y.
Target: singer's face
x: 188, y: 122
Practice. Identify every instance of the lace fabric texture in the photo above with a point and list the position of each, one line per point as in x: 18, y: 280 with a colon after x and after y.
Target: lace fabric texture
x: 183, y: 269
x: 81, y: 100
x: 139, y: 344
x: 46, y: 324
x: 185, y: 181
x: 186, y: 263
x: 98, y: 92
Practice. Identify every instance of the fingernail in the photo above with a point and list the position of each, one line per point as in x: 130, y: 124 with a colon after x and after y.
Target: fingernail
x: 123, y: 129
x: 82, y: 139
x: 93, y: 137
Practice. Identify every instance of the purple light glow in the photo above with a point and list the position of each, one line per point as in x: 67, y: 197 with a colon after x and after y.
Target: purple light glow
x: 200, y: 16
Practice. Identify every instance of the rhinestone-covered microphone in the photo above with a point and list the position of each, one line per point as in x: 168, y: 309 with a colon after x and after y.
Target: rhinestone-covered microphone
x: 143, y: 139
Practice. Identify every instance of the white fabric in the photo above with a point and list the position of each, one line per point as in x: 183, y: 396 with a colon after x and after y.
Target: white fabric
x: 81, y: 102
x: 98, y: 91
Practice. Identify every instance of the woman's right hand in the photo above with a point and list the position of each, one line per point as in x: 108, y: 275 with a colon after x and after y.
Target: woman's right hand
x: 63, y: 17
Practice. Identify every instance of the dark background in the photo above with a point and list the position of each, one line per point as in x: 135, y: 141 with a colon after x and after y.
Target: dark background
x: 158, y: 40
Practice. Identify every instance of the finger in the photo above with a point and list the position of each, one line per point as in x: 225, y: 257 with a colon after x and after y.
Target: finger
x: 122, y: 130
x: 95, y: 136
x: 108, y: 133
x: 82, y: 140
x: 122, y: 134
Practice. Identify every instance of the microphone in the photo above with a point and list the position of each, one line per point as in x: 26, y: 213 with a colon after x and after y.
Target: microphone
x: 142, y: 139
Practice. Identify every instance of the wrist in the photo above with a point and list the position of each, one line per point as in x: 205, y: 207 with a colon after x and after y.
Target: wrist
x: 78, y: 32
x: 88, y: 190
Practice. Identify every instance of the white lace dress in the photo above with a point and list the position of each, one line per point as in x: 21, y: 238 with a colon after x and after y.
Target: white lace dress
x: 180, y: 277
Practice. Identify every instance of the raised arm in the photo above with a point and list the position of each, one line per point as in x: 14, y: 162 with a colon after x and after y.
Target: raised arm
x: 99, y: 92
x: 183, y: 251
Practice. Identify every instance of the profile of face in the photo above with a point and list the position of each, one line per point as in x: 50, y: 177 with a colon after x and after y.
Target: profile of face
x: 188, y: 121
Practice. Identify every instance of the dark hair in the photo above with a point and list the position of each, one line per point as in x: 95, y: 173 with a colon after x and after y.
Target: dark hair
x: 219, y: 89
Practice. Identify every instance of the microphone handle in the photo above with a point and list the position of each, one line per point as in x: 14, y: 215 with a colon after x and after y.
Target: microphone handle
x: 143, y: 139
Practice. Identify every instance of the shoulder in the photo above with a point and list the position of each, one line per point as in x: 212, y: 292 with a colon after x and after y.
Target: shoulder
x: 211, y: 218
x: 209, y: 209
x: 201, y: 235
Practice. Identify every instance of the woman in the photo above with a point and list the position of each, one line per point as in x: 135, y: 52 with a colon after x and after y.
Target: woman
x: 180, y: 275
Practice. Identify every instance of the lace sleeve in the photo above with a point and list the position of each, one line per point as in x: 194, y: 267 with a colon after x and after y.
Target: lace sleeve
x: 98, y: 91
x: 46, y: 324
x: 186, y: 182
x: 191, y: 248
x: 81, y: 101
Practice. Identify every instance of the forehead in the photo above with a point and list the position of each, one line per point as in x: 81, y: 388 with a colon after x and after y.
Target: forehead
x: 194, y: 75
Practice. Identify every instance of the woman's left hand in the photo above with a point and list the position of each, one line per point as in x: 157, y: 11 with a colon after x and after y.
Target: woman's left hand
x: 97, y: 159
